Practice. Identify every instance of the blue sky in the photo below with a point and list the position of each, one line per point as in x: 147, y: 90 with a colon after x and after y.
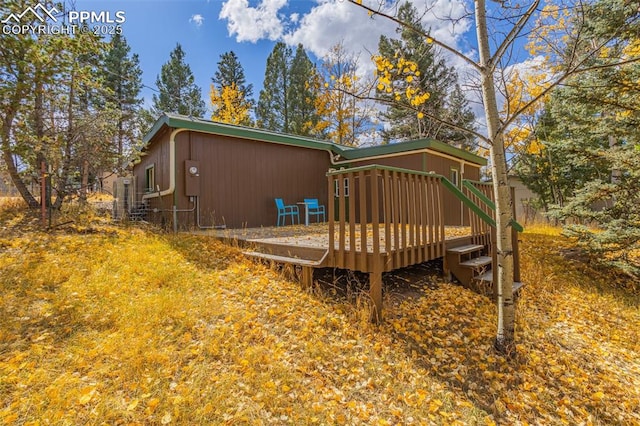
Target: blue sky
x: 153, y: 28
x: 208, y: 28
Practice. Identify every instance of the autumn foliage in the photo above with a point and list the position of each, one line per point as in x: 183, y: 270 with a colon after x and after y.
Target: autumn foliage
x: 127, y: 326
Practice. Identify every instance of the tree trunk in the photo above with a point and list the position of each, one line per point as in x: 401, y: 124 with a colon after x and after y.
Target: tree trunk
x: 63, y: 179
x: 505, y: 336
x: 7, y: 156
x: 11, y: 110
x: 84, y: 186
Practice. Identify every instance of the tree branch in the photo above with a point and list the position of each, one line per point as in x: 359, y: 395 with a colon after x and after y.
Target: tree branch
x: 509, y: 38
x: 363, y: 97
x: 418, y: 31
x: 575, y: 70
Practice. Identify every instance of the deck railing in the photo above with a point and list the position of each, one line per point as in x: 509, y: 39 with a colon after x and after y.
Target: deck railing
x: 384, y: 214
x: 482, y: 194
x: 383, y: 218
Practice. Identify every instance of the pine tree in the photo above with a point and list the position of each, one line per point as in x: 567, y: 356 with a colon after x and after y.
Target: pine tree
x: 458, y: 112
x: 230, y: 71
x: 178, y: 92
x: 272, y: 111
x: 123, y: 76
x: 301, y: 94
x: 589, y: 141
x: 435, y: 78
x: 230, y: 95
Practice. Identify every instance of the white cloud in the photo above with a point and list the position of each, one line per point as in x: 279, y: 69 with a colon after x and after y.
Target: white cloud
x: 197, y: 19
x: 333, y: 22
x: 253, y: 23
x: 330, y: 22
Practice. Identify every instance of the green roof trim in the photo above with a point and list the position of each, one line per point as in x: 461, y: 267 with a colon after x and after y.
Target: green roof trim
x: 199, y: 125
x: 347, y: 153
x: 418, y: 144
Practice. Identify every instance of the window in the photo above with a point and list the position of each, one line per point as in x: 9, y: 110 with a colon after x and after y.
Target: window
x: 455, y: 177
x: 150, y: 178
x: 336, y: 189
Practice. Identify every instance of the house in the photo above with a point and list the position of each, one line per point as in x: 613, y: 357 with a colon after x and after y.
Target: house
x: 525, y: 202
x: 197, y: 173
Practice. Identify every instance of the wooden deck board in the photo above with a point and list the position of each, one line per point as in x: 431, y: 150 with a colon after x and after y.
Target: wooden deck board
x: 317, y: 236
x: 305, y: 242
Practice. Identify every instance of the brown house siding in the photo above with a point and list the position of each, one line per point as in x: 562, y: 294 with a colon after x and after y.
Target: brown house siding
x: 242, y: 170
x: 246, y: 176
x: 157, y: 156
x: 239, y: 178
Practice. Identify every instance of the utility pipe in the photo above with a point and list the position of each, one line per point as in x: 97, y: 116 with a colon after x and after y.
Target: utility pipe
x: 172, y: 178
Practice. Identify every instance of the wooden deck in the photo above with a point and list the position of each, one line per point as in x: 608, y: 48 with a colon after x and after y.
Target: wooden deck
x: 380, y: 219
x: 311, y: 243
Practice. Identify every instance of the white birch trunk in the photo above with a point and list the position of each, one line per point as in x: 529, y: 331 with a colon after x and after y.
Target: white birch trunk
x: 506, y: 309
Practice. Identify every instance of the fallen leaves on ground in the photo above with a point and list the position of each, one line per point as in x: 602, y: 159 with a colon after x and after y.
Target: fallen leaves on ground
x: 125, y: 326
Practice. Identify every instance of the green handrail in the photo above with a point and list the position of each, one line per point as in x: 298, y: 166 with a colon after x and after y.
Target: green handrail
x: 469, y: 185
x: 467, y: 201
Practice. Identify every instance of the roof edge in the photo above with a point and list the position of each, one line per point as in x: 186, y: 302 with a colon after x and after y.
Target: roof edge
x: 418, y: 144
x: 196, y: 124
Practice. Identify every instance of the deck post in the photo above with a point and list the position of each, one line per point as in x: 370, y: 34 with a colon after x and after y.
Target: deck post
x: 375, y: 292
x: 307, y: 277
x: 375, y: 276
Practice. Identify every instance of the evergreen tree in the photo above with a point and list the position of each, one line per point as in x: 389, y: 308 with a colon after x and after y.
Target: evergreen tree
x: 123, y: 77
x: 301, y: 94
x: 272, y: 111
x: 230, y: 71
x: 230, y: 95
x: 458, y: 112
x: 178, y: 92
x: 588, y: 145
x: 446, y: 100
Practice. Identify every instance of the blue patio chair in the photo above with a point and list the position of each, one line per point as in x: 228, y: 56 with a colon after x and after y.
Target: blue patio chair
x: 313, y: 208
x: 284, y: 211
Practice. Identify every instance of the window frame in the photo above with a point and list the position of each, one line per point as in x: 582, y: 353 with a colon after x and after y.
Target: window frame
x: 150, y: 178
x: 345, y: 187
x: 454, y: 176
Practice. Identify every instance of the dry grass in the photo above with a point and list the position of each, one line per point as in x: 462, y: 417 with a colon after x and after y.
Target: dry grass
x: 125, y: 326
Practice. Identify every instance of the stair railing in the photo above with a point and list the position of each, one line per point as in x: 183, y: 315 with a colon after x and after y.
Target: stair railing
x: 472, y: 187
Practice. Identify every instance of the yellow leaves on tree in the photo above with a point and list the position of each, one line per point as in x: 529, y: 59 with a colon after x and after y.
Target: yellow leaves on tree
x: 553, y: 23
x: 336, y: 106
x: 343, y: 116
x: 522, y: 88
x: 632, y: 50
x: 400, y: 78
x: 229, y: 105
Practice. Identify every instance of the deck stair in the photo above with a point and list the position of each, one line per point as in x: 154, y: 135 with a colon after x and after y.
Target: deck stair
x: 471, y: 266
x: 304, y: 259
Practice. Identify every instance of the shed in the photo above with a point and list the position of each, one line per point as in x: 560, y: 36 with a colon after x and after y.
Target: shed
x: 196, y: 173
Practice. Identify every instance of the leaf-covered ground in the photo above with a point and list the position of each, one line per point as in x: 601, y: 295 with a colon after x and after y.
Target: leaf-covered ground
x: 118, y: 325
